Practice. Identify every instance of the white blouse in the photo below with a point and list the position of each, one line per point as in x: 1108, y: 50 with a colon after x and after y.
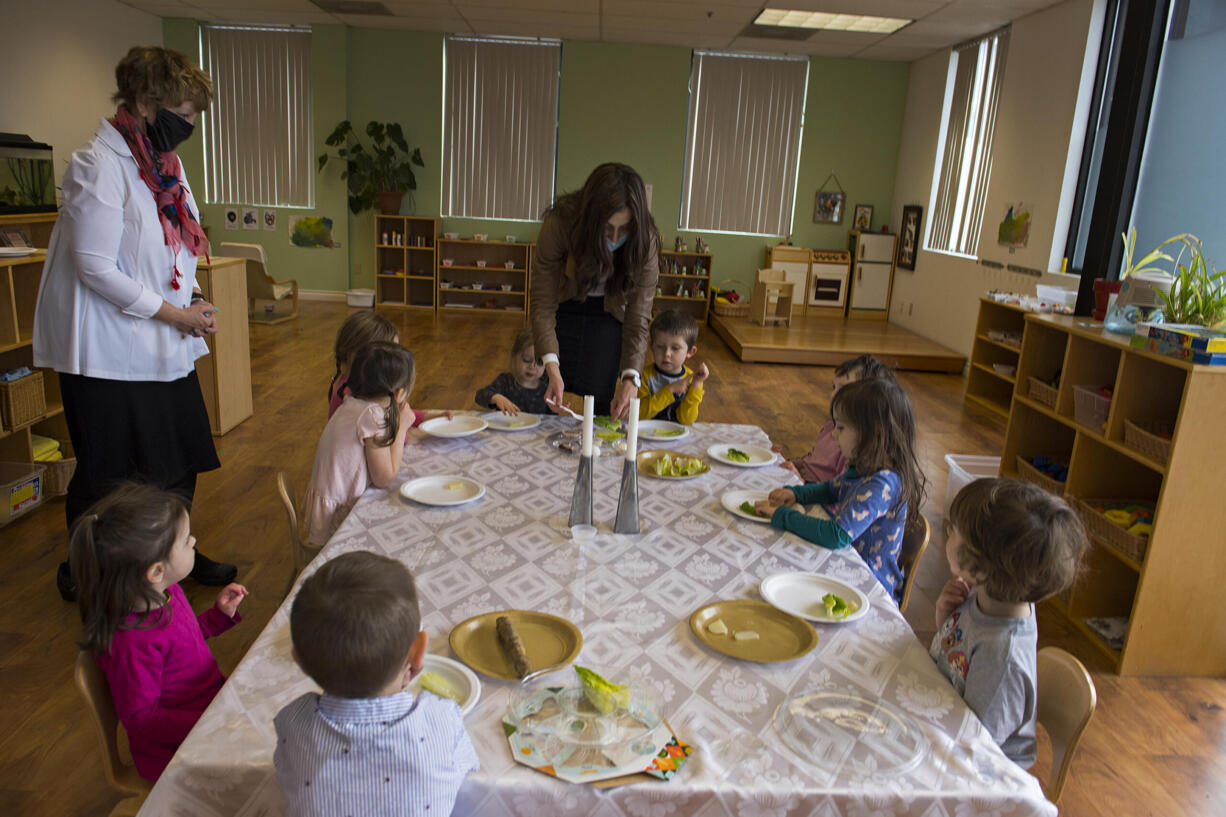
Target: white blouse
x: 107, y: 272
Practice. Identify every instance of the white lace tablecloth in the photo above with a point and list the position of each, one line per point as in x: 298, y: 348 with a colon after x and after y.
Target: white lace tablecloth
x: 632, y: 597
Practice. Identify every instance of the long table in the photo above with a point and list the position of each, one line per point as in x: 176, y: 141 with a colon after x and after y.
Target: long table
x: 632, y: 597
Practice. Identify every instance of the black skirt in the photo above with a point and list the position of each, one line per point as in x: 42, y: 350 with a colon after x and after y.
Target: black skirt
x: 589, y: 349
x: 147, y: 431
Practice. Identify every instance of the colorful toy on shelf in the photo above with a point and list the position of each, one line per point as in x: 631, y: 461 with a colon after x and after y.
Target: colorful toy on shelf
x: 1049, y: 467
x: 700, y: 245
x: 1137, y: 519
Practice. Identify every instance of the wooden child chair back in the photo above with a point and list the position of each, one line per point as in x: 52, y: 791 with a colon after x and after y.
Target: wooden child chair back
x: 1066, y: 702
x: 121, y: 776
x: 301, y: 552
x: 914, y: 543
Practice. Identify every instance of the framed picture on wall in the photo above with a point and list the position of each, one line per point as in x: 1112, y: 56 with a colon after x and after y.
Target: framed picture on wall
x: 828, y: 209
x: 908, y: 236
x: 863, y: 219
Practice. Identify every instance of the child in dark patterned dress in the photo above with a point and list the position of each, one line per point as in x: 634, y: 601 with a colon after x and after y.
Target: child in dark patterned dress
x: 523, y: 387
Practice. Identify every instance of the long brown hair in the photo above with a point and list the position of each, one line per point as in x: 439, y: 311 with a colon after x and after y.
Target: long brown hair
x: 359, y: 329
x: 111, y: 548
x: 610, y: 188
x: 880, y: 412
x: 378, y: 369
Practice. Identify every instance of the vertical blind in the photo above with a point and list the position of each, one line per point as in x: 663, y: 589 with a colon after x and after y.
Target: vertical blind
x: 258, y: 133
x: 743, y: 142
x: 500, y: 129
x: 966, y: 163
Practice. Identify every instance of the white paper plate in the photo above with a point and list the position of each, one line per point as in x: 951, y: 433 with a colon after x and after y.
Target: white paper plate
x: 460, y: 426
x: 436, y: 490
x: 759, y: 455
x: 660, y: 431
x: 501, y: 422
x: 453, y: 672
x: 16, y: 252
x: 732, y: 503
x: 801, y: 595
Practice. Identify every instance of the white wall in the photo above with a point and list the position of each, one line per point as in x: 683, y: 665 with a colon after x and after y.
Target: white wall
x: 58, y: 64
x: 1035, y: 125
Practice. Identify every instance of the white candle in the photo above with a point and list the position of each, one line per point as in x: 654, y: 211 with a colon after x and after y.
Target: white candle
x: 632, y: 430
x: 589, y: 410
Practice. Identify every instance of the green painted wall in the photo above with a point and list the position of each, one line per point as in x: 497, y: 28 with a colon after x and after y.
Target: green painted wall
x: 326, y: 269
x: 618, y: 102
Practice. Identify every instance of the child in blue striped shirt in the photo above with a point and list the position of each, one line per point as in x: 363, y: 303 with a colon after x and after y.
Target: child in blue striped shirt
x: 365, y: 746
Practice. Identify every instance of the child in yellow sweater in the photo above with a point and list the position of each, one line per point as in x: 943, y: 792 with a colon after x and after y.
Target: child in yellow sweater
x: 671, y: 390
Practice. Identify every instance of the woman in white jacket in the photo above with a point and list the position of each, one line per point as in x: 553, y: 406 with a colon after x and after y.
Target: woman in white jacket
x: 119, y: 316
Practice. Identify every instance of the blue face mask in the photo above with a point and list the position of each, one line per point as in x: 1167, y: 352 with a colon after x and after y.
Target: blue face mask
x: 614, y: 246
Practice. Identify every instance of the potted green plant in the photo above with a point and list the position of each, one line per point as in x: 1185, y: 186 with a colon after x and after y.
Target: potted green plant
x: 1197, y: 294
x: 382, y: 172
x: 1194, y: 294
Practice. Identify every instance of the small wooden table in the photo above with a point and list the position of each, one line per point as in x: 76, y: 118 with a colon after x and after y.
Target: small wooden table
x: 225, y: 373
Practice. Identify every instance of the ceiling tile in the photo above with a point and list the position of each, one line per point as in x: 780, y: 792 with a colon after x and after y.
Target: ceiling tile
x: 901, y: 53
x: 254, y: 13
x: 442, y: 20
x: 966, y: 12
x: 705, y: 29
x: 521, y: 17
x: 689, y: 12
x: 906, y: 9
x: 478, y: 8
x: 535, y: 29
x: 680, y: 37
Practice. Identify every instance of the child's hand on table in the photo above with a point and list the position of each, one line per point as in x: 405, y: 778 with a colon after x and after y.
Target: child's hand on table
x: 953, y: 593
x: 229, y: 598
x: 776, y: 498
x: 505, y: 406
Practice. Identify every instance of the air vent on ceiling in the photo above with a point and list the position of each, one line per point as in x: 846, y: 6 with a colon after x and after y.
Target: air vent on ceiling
x: 778, y: 32
x: 368, y: 7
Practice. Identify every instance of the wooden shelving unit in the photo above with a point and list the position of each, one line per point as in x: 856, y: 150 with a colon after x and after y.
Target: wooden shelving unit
x: 985, y: 386
x: 685, y: 283
x: 498, y: 287
x: 1171, y: 595
x: 405, y: 261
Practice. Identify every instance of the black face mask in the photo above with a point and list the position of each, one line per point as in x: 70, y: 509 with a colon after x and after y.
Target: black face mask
x: 168, y: 130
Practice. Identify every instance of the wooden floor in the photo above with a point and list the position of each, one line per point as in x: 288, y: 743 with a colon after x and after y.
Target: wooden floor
x: 828, y: 341
x: 1155, y: 747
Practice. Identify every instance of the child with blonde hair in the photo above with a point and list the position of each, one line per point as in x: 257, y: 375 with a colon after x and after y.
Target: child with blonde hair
x: 128, y: 553
x: 1011, y: 544
x: 522, y: 386
x: 363, y: 443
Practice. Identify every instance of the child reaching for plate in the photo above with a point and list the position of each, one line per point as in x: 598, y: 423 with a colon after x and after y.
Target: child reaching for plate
x: 875, y: 429
x: 1011, y: 544
x: 363, y: 443
x: 826, y: 460
x: 671, y: 390
x: 522, y: 387
x: 128, y: 553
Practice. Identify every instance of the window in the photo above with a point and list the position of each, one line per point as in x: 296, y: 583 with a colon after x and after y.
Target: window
x: 742, y: 145
x: 500, y: 126
x: 964, y: 158
x: 258, y: 142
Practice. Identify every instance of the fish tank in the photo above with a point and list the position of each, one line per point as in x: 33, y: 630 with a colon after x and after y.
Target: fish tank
x: 27, y: 180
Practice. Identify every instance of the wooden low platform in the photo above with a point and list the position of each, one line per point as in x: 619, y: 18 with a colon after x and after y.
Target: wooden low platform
x: 821, y: 341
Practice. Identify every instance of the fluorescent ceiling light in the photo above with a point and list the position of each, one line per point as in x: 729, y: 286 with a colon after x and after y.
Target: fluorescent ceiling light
x: 830, y: 22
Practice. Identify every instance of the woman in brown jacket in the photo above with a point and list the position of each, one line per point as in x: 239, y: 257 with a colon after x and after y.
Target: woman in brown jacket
x: 593, y: 282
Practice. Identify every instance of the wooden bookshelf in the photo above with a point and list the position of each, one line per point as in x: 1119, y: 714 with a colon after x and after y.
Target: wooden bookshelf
x: 1171, y: 594
x: 486, y: 277
x: 685, y: 283
x: 985, y: 385
x: 404, y: 261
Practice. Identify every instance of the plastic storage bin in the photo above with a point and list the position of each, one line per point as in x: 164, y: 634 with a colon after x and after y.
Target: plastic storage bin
x: 360, y: 297
x: 965, y: 469
x: 21, y: 489
x: 1090, y: 408
x: 1056, y: 296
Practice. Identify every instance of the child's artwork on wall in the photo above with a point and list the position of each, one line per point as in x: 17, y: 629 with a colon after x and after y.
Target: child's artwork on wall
x: 908, y: 237
x: 270, y: 220
x: 1014, y: 230
x: 863, y: 219
x: 231, y: 218
x: 313, y: 232
x: 251, y: 221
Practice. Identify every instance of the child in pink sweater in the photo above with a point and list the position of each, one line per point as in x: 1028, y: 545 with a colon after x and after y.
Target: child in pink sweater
x: 826, y: 461
x: 128, y: 553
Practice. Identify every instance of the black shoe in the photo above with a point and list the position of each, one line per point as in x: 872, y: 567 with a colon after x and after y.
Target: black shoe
x: 212, y: 574
x: 65, y: 583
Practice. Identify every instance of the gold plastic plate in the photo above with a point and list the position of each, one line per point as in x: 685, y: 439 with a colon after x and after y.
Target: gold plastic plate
x: 781, y: 637
x: 548, y: 640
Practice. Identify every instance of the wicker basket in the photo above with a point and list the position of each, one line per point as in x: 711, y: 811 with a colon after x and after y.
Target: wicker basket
x: 740, y: 310
x: 22, y: 401
x: 59, y: 473
x: 1103, y: 529
x: 1143, y: 437
x: 1042, y: 392
x: 1031, y: 474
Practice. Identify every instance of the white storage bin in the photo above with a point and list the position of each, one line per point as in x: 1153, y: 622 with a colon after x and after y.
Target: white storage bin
x: 965, y: 469
x: 1056, y: 295
x: 360, y: 297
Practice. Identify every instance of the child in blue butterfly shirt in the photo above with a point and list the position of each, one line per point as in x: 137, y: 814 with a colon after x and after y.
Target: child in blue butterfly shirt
x: 875, y: 429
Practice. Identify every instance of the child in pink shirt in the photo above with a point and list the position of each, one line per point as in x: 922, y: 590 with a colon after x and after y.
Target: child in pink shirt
x: 128, y: 553
x: 826, y: 460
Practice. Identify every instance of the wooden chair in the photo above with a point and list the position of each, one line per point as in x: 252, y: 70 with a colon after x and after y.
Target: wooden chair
x: 914, y: 543
x: 772, y: 298
x: 301, y: 552
x: 265, y: 296
x: 1066, y: 703
x: 121, y: 776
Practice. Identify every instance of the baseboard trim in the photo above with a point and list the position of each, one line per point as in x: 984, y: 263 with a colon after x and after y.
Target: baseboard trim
x: 321, y: 295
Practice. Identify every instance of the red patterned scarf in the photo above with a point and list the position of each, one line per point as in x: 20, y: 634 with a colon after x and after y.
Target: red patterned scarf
x: 161, y: 172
